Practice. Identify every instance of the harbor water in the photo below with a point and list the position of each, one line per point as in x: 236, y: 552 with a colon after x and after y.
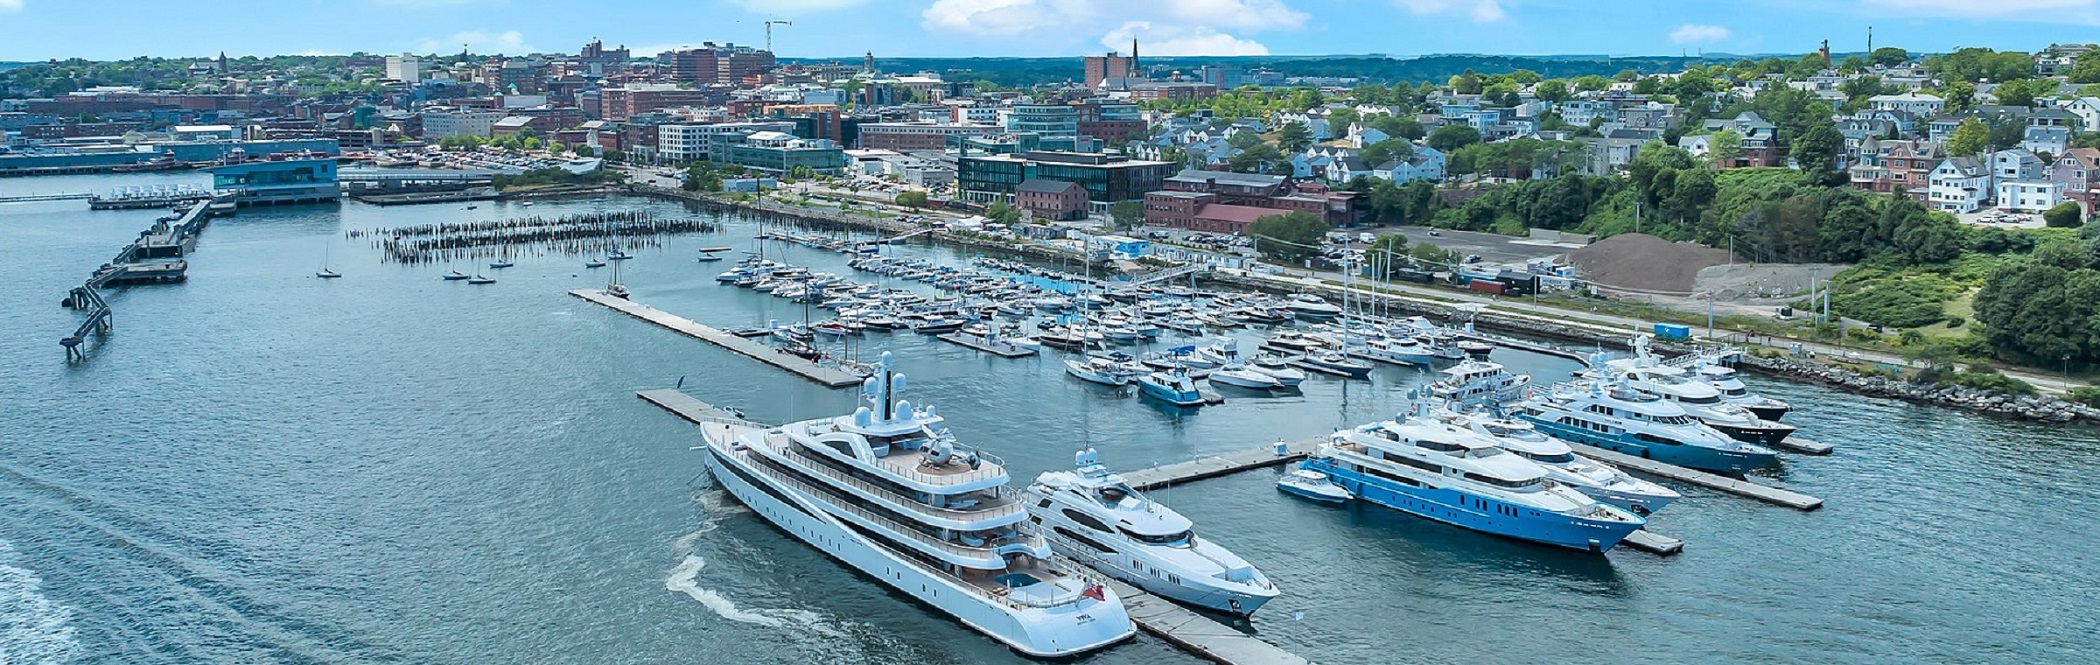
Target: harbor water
x: 258, y: 466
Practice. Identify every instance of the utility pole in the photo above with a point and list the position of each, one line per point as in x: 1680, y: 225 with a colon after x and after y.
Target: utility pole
x: 769, y: 32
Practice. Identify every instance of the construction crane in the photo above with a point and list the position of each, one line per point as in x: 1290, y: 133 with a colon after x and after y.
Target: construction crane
x: 769, y: 33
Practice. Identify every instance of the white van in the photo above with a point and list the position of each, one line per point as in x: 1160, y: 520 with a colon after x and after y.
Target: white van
x: 1366, y: 238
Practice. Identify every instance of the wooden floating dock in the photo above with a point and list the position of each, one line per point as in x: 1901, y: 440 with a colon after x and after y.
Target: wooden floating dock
x: 997, y: 348
x: 1738, y: 487
x: 1219, y: 465
x: 829, y: 377
x: 1803, y: 445
x: 1198, y: 634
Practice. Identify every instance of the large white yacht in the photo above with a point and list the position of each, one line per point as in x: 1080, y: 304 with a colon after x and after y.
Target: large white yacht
x: 1600, y: 481
x: 1676, y: 382
x: 1612, y: 415
x: 888, y: 491
x: 1433, y: 469
x: 1093, y: 516
x: 1724, y: 379
x: 1479, y: 382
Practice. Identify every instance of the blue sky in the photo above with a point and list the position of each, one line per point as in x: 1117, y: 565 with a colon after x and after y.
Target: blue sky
x: 110, y: 29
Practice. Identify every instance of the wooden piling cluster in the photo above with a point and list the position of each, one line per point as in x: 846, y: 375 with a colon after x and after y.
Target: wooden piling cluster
x: 585, y: 233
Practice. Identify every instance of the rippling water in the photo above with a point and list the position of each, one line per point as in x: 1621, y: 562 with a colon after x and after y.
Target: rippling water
x: 263, y: 467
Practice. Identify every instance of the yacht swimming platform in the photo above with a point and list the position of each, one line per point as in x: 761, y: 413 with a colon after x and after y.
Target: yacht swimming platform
x: 1653, y: 543
x: 1738, y: 487
x: 829, y: 377
x: 1001, y: 349
x: 1803, y: 445
x: 1197, y: 634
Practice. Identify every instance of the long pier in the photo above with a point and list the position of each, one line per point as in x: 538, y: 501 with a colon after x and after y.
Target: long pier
x: 45, y: 197
x: 1738, y: 487
x: 1192, y: 632
x: 829, y: 377
x: 155, y: 256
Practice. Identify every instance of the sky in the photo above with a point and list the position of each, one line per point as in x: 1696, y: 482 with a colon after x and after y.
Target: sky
x: 111, y: 29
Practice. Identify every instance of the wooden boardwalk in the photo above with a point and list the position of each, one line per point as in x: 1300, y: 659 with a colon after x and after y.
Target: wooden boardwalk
x: 1219, y: 465
x: 996, y: 347
x: 1199, y: 634
x: 1738, y: 487
x: 685, y: 406
x: 830, y: 377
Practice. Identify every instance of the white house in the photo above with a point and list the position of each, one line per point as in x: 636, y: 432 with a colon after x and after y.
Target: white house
x: 2029, y: 195
x: 2088, y: 111
x: 1958, y: 185
x: 1916, y: 103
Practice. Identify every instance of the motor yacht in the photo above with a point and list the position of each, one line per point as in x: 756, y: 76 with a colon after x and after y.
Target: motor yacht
x: 1432, y: 469
x: 889, y: 491
x: 1094, y: 517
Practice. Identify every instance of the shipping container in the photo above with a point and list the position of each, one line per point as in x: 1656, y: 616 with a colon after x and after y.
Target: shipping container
x: 1672, y: 332
x: 1486, y: 286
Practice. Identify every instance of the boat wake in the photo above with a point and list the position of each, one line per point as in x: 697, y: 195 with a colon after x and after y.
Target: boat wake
x: 33, y: 628
x: 685, y: 579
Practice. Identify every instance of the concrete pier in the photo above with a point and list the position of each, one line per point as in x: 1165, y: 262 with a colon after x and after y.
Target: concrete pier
x: 1198, y: 634
x: 1738, y: 487
x: 1803, y: 445
x: 1219, y: 465
x: 829, y: 377
x: 687, y: 407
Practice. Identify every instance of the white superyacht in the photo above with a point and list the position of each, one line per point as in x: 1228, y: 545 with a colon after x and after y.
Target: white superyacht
x: 888, y: 491
x: 1093, y: 516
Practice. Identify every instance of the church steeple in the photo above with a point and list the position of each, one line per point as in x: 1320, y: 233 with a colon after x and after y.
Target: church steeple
x: 222, y: 63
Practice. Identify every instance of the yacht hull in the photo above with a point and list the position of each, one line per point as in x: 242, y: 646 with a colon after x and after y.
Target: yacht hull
x: 1471, y: 511
x: 1070, y: 632
x: 1119, y: 565
x: 1734, y: 462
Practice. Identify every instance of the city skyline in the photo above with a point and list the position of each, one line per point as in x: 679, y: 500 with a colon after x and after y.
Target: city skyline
x: 35, y: 30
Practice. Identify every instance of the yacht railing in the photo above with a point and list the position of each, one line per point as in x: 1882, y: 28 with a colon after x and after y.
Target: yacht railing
x: 1006, y: 506
x: 989, y: 551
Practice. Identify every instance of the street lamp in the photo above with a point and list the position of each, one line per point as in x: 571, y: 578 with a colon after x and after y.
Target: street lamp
x: 2067, y: 371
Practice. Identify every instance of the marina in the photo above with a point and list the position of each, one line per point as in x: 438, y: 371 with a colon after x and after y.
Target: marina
x: 556, y: 497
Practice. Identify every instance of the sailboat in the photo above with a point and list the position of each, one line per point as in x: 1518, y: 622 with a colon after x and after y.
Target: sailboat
x: 326, y: 272
x: 478, y: 279
x: 615, y: 288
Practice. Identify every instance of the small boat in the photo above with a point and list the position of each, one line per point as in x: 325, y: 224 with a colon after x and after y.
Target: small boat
x: 1310, y: 484
x: 1241, y: 376
x: 1332, y: 362
x: 328, y: 274
x: 1476, y: 348
x: 455, y: 276
x: 939, y: 325
x: 618, y: 255
x: 594, y: 263
x: 527, y: 204
x: 501, y: 263
x: 473, y: 207
x: 706, y: 256
x: 831, y: 328
x: 1106, y: 371
x: 1173, y: 387
x: 1279, y: 369
x: 478, y: 279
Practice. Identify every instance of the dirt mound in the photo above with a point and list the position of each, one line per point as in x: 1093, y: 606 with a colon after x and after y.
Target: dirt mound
x: 1641, y: 262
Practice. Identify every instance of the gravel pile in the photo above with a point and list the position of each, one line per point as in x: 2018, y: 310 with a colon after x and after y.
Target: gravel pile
x: 1641, y: 262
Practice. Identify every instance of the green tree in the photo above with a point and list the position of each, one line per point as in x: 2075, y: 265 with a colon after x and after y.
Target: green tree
x: 2021, y: 93
x: 1401, y: 126
x: 1960, y: 96
x: 1978, y: 64
x: 1452, y: 137
x: 1888, y: 56
x: 2064, y: 216
x: 1290, y: 237
x: 1294, y: 136
x: 1970, y: 138
x: 1816, y: 152
x: 1433, y: 257
x: 1127, y: 215
x: 1724, y: 147
x: 1388, y: 252
x: 1590, y: 83
x: 2087, y: 68
x: 1466, y: 83
x: 1001, y: 212
x: 912, y: 199
x: 1552, y: 90
x: 1387, y: 150
x: 1339, y: 120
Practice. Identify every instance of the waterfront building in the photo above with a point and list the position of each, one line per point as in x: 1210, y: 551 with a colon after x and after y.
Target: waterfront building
x: 1107, y: 179
x: 278, y: 180
x: 911, y: 136
x: 779, y: 152
x: 443, y: 124
x: 1055, y: 200
x: 1045, y: 119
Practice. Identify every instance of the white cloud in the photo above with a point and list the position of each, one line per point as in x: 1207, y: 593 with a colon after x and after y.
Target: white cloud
x: 509, y: 42
x: 1176, y: 40
x: 1162, y: 27
x: 10, y: 5
x: 1692, y: 33
x: 1992, y: 9
x: 1481, y: 11
x: 794, y: 7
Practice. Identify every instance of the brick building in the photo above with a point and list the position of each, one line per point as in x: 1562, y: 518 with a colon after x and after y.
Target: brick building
x: 1051, y: 199
x: 916, y: 136
x: 1225, y: 202
x: 636, y: 99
